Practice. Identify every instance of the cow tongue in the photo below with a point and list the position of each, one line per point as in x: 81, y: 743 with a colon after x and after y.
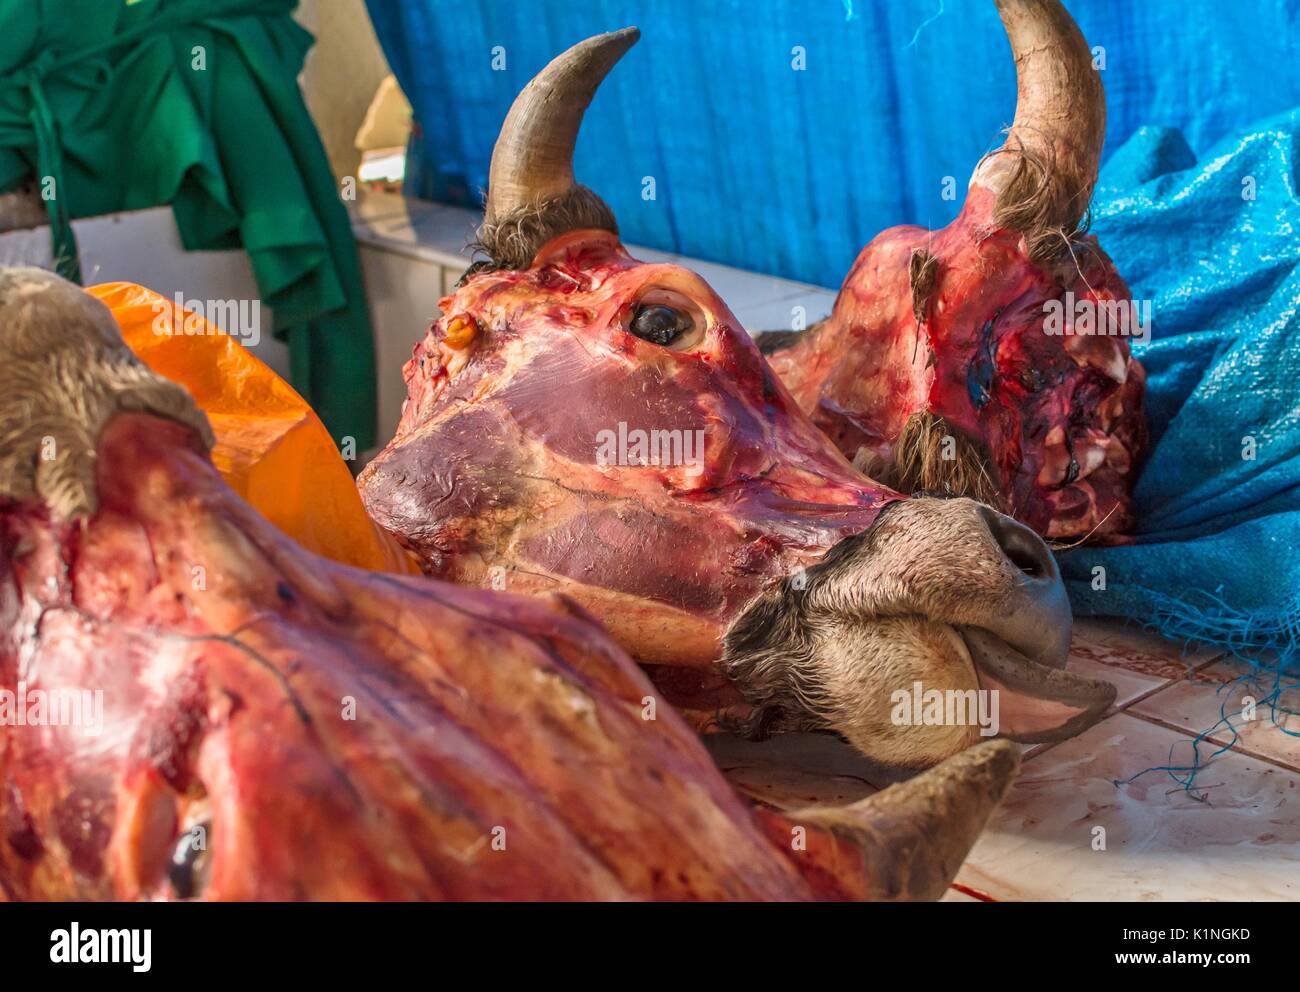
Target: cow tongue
x: 1036, y: 703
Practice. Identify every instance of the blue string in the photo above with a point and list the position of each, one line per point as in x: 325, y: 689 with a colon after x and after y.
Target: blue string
x: 1186, y: 775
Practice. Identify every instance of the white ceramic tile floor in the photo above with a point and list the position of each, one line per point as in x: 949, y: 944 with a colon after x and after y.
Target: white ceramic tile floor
x: 1234, y: 835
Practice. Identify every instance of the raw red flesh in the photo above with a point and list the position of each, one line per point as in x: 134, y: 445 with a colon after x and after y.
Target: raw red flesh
x: 494, y: 464
x: 473, y: 711
x: 1061, y: 416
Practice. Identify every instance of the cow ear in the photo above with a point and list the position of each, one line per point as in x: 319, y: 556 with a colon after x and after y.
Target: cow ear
x: 1036, y: 704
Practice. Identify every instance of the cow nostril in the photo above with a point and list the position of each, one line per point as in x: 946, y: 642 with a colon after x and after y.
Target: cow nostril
x: 1028, y: 564
x: 1021, y: 546
x: 1031, y: 612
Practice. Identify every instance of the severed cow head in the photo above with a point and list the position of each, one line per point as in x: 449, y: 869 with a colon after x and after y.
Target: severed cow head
x: 991, y: 358
x: 581, y: 422
x: 193, y: 706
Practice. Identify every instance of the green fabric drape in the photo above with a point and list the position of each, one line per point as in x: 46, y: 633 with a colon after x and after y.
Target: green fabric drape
x: 125, y: 104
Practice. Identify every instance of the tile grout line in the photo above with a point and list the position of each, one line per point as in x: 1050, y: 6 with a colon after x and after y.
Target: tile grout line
x: 1170, y: 682
x: 1192, y: 670
x: 1199, y: 667
x: 1234, y: 748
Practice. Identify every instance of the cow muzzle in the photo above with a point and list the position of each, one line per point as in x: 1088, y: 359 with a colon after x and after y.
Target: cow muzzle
x: 944, y: 623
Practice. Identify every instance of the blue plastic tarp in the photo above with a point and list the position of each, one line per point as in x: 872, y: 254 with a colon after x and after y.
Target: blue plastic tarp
x: 781, y: 136
x: 1215, y: 245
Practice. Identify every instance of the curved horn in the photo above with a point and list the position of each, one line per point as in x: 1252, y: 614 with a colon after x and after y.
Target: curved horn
x: 908, y: 841
x: 1044, y: 173
x: 532, y: 195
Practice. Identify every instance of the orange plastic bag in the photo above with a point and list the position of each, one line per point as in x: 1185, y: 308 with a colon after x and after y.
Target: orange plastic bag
x: 271, y: 448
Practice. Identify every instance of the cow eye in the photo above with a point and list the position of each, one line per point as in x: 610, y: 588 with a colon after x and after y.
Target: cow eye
x: 668, y: 319
x: 660, y: 324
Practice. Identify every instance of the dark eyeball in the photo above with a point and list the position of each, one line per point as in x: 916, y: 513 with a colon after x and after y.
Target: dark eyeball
x: 668, y: 318
x: 659, y: 323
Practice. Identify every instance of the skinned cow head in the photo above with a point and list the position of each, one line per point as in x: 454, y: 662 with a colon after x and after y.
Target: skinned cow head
x: 582, y: 422
x: 292, y: 728
x: 990, y: 359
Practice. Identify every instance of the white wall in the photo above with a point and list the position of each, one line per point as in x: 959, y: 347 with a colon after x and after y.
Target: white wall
x: 343, y: 70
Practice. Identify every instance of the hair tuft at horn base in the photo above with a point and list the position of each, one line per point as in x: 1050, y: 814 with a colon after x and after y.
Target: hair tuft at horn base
x: 514, y: 241
x: 532, y: 196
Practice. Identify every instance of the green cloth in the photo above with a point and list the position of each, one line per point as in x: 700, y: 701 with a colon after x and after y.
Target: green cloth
x: 127, y: 104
